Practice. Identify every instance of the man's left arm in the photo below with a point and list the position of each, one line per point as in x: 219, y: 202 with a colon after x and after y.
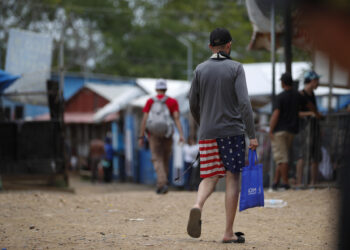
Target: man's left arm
x: 176, y: 116
x: 245, y: 106
x: 193, y: 97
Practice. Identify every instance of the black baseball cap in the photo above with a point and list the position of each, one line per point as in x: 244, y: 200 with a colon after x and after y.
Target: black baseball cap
x: 220, y: 36
x: 287, y: 79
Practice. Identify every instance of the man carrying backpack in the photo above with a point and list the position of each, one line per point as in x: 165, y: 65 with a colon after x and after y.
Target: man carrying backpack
x: 160, y: 113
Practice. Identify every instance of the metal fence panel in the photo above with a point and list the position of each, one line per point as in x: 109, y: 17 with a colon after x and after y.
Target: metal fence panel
x: 30, y: 148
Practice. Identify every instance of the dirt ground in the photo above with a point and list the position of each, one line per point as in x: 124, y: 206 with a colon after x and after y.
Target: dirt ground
x: 126, y: 216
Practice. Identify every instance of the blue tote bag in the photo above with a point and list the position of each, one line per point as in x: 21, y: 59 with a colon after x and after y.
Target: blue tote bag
x: 252, y: 190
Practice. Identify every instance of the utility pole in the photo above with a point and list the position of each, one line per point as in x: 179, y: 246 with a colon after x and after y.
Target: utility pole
x: 273, y: 50
x: 61, y: 102
x: 273, y: 63
x: 61, y: 62
x: 1, y: 105
x: 288, y: 31
x: 331, y: 85
x: 189, y: 56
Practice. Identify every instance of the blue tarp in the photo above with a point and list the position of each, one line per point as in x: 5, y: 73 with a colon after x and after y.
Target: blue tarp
x: 344, y: 101
x: 73, y: 83
x: 6, y: 80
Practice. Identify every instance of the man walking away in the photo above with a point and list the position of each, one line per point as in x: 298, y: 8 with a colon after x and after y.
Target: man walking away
x: 159, y: 114
x: 220, y: 104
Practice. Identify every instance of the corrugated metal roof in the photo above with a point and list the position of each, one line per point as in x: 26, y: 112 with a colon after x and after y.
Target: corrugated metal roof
x: 74, y: 117
x: 124, y: 96
x: 108, y: 91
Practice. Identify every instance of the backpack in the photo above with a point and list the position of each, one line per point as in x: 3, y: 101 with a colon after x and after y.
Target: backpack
x: 159, y: 122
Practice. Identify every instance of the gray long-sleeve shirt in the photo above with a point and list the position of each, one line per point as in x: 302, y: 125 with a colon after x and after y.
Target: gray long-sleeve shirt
x: 219, y: 100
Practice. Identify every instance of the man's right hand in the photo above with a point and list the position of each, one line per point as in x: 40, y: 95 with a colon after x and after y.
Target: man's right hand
x: 253, y: 144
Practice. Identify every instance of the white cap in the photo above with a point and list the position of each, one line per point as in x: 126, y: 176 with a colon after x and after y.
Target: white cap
x: 161, y: 84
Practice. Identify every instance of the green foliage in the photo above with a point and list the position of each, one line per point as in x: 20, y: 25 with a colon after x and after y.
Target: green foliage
x: 135, y: 38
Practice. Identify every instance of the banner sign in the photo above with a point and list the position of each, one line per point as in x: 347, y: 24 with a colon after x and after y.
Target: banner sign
x: 29, y: 54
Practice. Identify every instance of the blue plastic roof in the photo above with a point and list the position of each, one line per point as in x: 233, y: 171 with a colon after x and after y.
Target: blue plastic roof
x: 72, y: 83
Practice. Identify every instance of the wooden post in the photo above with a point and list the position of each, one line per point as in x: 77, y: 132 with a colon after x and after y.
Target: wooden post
x: 273, y: 63
x: 61, y: 103
x: 330, y: 94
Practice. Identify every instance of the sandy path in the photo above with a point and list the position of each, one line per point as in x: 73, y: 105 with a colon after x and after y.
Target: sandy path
x: 112, y: 217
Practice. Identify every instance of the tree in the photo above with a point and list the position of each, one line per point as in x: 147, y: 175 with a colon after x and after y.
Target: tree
x: 155, y: 46
x: 89, y: 27
x: 135, y: 38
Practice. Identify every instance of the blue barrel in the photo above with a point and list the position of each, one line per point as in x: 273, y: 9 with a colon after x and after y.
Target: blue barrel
x: 147, y: 173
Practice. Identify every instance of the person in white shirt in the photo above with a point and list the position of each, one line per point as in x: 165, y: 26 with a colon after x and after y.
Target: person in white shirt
x: 190, y: 150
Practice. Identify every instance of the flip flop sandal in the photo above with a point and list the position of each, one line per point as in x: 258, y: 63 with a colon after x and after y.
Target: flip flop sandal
x: 240, y: 238
x: 194, y: 223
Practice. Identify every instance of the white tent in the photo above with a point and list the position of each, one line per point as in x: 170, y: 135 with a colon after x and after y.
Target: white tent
x: 259, y: 78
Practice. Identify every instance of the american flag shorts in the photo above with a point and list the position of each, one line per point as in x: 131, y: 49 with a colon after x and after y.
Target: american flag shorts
x: 220, y: 155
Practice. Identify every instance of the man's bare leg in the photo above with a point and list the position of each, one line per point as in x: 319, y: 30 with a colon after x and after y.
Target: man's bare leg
x: 206, y: 188
x: 231, y: 201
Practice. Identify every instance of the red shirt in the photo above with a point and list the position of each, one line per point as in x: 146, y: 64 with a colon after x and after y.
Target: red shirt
x: 170, y: 102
